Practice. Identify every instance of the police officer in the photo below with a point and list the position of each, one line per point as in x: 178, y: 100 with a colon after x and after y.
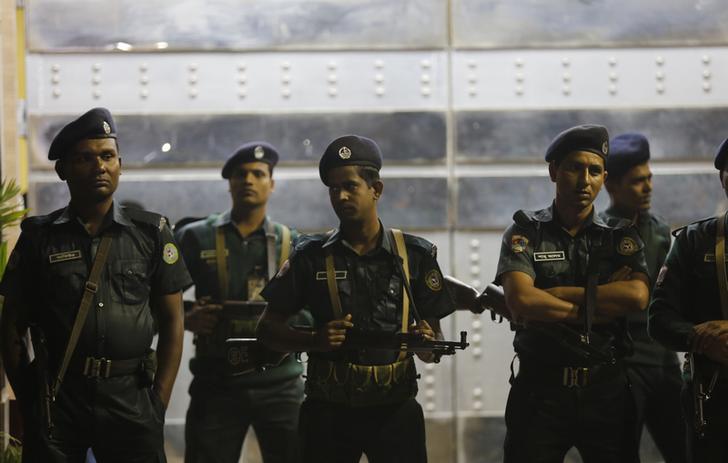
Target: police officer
x: 563, y: 270
x: 114, y: 277
x: 689, y: 313
x: 352, y: 278
x: 653, y: 370
x: 224, y: 404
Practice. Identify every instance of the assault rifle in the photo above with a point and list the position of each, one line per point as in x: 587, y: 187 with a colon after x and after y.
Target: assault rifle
x: 244, y: 350
x: 566, y: 337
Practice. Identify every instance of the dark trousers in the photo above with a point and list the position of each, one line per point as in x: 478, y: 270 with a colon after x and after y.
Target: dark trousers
x: 120, y: 419
x: 220, y: 414
x: 656, y: 391
x: 334, y: 433
x: 545, y: 420
x: 713, y: 446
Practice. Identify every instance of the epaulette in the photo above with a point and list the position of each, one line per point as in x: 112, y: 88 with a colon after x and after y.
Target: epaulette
x: 146, y: 217
x: 39, y: 220
x: 618, y: 223
x: 677, y: 231
x: 184, y: 221
x: 523, y: 218
x: 421, y: 243
x: 309, y: 241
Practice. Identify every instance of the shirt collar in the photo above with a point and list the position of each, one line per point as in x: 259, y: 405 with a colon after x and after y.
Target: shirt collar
x: 548, y: 215
x: 385, y: 243
x: 226, y: 219
x: 118, y: 215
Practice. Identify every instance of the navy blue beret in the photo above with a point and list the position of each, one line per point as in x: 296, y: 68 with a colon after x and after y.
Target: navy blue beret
x: 350, y: 150
x: 626, y: 151
x: 257, y: 151
x: 720, y: 156
x: 591, y: 138
x: 96, y: 123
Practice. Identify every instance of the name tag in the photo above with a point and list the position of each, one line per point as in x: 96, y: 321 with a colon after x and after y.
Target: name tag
x: 208, y: 254
x: 338, y: 274
x: 711, y: 257
x: 549, y: 256
x: 64, y: 256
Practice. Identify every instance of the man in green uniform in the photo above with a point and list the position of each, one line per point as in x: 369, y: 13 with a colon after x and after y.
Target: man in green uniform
x: 689, y: 313
x: 353, y: 279
x: 108, y: 278
x: 231, y: 256
x: 653, y: 370
x: 563, y: 270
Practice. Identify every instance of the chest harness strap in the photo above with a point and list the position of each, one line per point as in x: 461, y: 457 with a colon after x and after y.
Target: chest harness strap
x: 89, y: 290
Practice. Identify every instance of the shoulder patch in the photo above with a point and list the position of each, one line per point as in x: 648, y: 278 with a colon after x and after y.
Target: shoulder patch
x: 170, y: 254
x: 519, y: 243
x: 627, y: 246
x: 433, y: 280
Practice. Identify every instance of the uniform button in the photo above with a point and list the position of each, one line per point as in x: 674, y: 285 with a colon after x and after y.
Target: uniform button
x: 129, y: 272
x: 391, y: 291
x: 101, y: 305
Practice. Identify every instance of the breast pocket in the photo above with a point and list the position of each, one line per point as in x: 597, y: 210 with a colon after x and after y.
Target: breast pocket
x: 130, y: 280
x: 67, y: 280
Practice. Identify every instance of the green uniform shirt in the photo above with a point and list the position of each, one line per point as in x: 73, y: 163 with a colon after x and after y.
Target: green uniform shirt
x: 51, y: 263
x: 370, y: 287
x: 655, y: 235
x: 538, y: 246
x: 686, y: 291
x: 247, y: 263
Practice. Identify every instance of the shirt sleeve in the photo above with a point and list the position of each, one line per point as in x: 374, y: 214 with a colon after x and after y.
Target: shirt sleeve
x: 630, y: 250
x: 285, y: 292
x: 516, y: 253
x: 14, y: 279
x: 666, y: 322
x: 432, y: 298
x: 171, y: 274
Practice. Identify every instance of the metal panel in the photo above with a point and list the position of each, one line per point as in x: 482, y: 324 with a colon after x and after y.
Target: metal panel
x: 237, y: 82
x: 674, y: 133
x: 596, y: 78
x: 489, y: 202
x: 409, y: 203
x: 197, y: 140
x: 564, y: 23
x: 234, y: 24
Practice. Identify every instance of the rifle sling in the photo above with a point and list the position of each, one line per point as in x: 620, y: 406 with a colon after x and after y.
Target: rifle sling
x: 270, y: 237
x: 89, y: 290
x: 333, y: 288
x: 590, y: 294
x: 221, y: 260
x: 720, y: 263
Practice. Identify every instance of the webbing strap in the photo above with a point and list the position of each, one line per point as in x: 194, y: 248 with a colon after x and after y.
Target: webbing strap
x: 221, y: 260
x: 285, y: 245
x: 720, y: 264
x: 89, y: 290
x: 402, y: 252
x: 333, y: 288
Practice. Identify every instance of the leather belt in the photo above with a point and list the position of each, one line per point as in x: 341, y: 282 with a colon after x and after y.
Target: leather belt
x: 567, y: 376
x: 92, y: 367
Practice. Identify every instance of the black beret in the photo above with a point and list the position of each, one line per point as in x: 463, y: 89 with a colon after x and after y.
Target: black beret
x: 350, y: 150
x: 720, y: 156
x: 96, y: 123
x: 591, y: 138
x: 626, y: 151
x: 257, y: 151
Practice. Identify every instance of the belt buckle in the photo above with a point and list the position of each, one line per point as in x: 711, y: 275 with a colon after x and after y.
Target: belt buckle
x: 576, y: 377
x: 97, y: 368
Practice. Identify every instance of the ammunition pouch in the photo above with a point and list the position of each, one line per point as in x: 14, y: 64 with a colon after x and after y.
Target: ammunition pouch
x: 357, y: 385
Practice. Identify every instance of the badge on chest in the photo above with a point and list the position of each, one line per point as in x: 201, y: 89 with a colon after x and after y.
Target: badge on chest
x: 64, y: 256
x: 549, y: 256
